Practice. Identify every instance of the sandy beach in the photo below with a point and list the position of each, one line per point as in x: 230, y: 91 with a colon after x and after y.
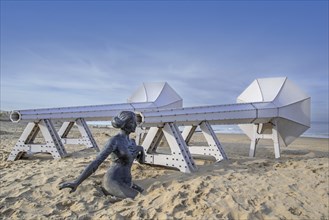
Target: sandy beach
x: 296, y: 186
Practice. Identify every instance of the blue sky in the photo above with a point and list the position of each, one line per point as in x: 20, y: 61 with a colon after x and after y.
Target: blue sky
x: 69, y: 53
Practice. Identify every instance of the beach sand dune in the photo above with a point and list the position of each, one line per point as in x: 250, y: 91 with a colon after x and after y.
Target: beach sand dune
x: 293, y: 187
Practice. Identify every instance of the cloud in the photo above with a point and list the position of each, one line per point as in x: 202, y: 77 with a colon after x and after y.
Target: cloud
x: 54, y: 75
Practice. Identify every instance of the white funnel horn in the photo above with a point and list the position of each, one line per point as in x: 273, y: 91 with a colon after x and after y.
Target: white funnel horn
x: 160, y: 94
x: 292, y: 103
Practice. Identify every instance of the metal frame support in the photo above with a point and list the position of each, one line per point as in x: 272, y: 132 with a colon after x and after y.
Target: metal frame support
x: 214, y: 147
x: 151, y: 142
x: 86, y: 135
x: 54, y: 140
x: 257, y: 135
x: 188, y: 132
x: 140, y: 134
x: 25, y: 143
x: 180, y: 156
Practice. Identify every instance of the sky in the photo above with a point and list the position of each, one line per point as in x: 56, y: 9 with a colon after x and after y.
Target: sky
x: 75, y: 53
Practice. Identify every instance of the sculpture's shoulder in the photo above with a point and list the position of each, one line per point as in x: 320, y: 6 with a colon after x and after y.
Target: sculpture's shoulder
x: 113, y: 143
x: 116, y: 138
x: 117, y: 141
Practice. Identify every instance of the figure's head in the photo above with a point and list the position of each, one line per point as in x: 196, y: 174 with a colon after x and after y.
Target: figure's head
x: 126, y: 121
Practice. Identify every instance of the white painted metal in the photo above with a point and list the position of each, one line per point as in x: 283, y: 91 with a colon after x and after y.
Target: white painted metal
x: 271, y: 108
x: 188, y: 132
x: 218, y: 114
x: 258, y: 133
x: 293, y: 105
x: 25, y: 144
x: 140, y: 134
x: 280, y: 108
x: 158, y: 95
x: 152, y: 95
x: 214, y: 147
x: 179, y: 156
x: 93, y: 113
x: 27, y: 137
x: 86, y: 136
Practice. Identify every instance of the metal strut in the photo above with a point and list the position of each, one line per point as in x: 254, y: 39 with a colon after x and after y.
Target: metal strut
x: 54, y: 140
x: 86, y: 135
x: 180, y: 156
x: 257, y: 135
x: 25, y: 143
x: 214, y: 147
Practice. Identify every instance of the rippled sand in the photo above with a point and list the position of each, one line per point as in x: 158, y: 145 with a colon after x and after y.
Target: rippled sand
x: 293, y: 187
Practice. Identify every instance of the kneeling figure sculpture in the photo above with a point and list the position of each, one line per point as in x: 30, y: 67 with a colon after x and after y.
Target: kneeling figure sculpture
x: 117, y: 180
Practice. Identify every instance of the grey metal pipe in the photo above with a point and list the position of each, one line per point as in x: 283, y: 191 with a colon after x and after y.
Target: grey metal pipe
x: 240, y: 113
x: 149, y: 115
x: 94, y: 112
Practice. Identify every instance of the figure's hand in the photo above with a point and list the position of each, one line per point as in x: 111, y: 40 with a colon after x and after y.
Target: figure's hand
x: 137, y: 187
x: 141, y: 157
x: 71, y: 185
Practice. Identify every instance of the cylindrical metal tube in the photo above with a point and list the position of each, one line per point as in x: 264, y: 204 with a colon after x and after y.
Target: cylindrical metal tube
x: 94, y: 113
x: 239, y: 113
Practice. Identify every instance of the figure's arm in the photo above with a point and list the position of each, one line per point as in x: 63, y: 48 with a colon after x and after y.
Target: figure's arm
x: 91, y: 168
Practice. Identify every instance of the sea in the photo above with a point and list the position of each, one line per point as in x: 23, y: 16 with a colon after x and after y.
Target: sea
x: 317, y: 129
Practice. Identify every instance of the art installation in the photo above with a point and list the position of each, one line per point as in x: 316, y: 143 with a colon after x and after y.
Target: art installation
x: 117, y: 181
x: 270, y: 108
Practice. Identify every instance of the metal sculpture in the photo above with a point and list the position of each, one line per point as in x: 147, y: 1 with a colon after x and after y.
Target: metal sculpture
x: 271, y: 108
x: 148, y: 96
x: 292, y: 117
x: 117, y: 181
x: 282, y: 114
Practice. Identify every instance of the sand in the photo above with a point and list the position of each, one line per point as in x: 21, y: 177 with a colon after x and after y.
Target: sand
x: 296, y: 186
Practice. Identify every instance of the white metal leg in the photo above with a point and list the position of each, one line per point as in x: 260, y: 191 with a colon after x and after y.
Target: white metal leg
x: 275, y: 138
x: 254, y: 141
x: 180, y: 156
x: 188, y: 133
x: 86, y: 136
x: 26, y: 143
x: 65, y: 129
x: 257, y: 135
x: 27, y: 137
x: 140, y: 135
x: 214, y: 147
x: 152, y: 139
x: 53, y: 141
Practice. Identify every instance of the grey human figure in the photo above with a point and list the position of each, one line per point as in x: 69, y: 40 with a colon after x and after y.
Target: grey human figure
x: 118, y: 180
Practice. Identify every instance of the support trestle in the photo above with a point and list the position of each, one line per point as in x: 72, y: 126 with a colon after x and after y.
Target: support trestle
x: 214, y: 147
x: 180, y: 156
x: 257, y: 135
x: 26, y: 145
x: 86, y: 136
x: 54, y: 141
